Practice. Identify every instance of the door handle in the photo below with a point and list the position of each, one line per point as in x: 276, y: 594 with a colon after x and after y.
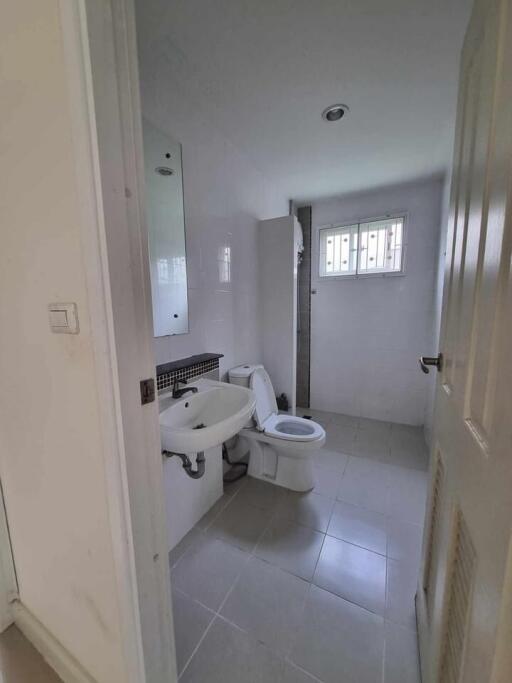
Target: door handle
x: 437, y: 361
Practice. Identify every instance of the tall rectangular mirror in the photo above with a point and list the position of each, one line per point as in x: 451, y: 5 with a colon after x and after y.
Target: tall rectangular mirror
x: 166, y: 227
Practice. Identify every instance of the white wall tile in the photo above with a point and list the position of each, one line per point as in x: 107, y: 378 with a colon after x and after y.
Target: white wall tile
x: 368, y: 333
x: 225, y: 197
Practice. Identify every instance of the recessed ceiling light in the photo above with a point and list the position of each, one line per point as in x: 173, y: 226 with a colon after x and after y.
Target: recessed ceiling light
x: 335, y: 112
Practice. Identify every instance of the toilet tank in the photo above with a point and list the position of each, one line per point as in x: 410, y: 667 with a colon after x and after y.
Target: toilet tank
x: 241, y: 375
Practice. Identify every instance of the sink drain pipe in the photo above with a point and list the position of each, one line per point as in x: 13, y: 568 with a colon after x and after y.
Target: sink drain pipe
x: 187, y: 463
x: 237, y: 470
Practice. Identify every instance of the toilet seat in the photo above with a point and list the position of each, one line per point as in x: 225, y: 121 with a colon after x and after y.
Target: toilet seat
x: 268, y: 421
x: 292, y: 428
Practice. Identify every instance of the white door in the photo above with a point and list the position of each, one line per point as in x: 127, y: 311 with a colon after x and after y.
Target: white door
x: 464, y: 596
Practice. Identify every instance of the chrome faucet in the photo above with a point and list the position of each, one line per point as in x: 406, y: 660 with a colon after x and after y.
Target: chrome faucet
x: 177, y: 392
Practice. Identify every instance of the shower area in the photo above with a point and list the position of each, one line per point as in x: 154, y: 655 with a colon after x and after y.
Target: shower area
x: 304, y: 310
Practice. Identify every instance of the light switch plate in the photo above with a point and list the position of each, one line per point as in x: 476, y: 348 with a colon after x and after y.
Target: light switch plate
x: 63, y: 318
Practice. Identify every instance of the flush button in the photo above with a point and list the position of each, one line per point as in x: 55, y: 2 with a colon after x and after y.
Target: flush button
x: 63, y: 318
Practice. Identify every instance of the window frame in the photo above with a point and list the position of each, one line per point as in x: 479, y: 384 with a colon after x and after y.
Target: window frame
x: 361, y: 221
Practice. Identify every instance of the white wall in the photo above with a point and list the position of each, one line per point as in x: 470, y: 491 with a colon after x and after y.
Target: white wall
x: 278, y: 290
x: 434, y: 348
x: 52, y: 463
x: 367, y: 333
x: 225, y: 197
x: 187, y: 499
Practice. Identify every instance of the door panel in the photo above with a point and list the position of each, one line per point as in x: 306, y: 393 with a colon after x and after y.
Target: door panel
x: 458, y: 601
x: 468, y: 107
x: 467, y: 540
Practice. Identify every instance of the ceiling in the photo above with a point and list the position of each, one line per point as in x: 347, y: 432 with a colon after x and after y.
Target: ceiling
x: 263, y: 71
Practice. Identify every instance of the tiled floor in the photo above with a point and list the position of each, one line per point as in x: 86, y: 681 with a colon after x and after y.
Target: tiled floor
x: 278, y: 587
x: 20, y: 662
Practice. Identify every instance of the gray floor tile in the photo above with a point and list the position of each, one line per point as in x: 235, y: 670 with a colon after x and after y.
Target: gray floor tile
x: 402, y: 583
x: 309, y: 509
x: 372, y: 505
x: 335, y: 460
x: 416, y: 459
x: 294, y: 675
x: 208, y: 570
x: 365, y: 483
x: 378, y: 427
x: 353, y: 573
x: 212, y: 514
x: 404, y: 541
x: 228, y: 655
x: 407, y: 494
x: 371, y: 443
x: 232, y: 488
x: 240, y: 523
x: 176, y: 553
x: 190, y: 622
x: 290, y: 546
x: 406, y: 435
x: 339, y: 642
x: 359, y: 526
x: 408, y: 447
x: 323, y: 417
x: 262, y: 494
x: 347, y: 421
x: 327, y: 479
x: 401, y: 662
x: 339, y: 438
x: 268, y: 603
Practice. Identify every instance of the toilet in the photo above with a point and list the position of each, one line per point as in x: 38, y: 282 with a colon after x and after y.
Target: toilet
x: 281, y: 446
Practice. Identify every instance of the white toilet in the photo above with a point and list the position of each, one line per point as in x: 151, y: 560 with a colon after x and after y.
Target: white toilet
x: 281, y: 446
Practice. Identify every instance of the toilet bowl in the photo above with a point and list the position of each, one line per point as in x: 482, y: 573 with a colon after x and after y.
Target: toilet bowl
x: 281, y: 446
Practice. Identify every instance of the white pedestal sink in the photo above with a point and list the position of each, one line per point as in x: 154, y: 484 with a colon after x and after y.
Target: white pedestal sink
x: 202, y: 420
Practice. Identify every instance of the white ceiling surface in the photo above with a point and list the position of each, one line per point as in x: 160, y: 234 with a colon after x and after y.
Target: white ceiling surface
x: 263, y: 70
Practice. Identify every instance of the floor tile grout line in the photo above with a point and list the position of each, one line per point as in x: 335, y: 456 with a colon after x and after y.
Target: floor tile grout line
x: 187, y: 663
x: 251, y: 553
x: 203, y: 530
x: 276, y: 653
x: 274, y: 516
x: 302, y: 670
x: 216, y: 614
x: 287, y: 658
x: 351, y: 602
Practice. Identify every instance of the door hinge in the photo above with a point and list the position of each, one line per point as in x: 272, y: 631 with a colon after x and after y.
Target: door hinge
x: 147, y: 391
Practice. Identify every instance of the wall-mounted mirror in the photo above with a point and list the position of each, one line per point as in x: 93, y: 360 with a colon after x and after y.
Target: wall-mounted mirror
x: 166, y: 226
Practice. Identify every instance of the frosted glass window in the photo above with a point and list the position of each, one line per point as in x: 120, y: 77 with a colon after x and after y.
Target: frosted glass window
x: 224, y: 262
x: 374, y: 247
x: 338, y: 251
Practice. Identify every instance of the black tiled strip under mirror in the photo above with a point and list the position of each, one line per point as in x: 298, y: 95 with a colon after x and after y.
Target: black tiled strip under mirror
x: 185, y: 369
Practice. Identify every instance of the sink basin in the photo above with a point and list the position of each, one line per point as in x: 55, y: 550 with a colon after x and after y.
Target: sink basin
x: 204, y: 419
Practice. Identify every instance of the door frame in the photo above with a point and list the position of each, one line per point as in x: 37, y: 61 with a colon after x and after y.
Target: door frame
x: 8, y: 580
x: 100, y: 54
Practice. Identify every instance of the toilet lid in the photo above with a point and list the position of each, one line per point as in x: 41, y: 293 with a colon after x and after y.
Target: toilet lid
x: 265, y: 399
